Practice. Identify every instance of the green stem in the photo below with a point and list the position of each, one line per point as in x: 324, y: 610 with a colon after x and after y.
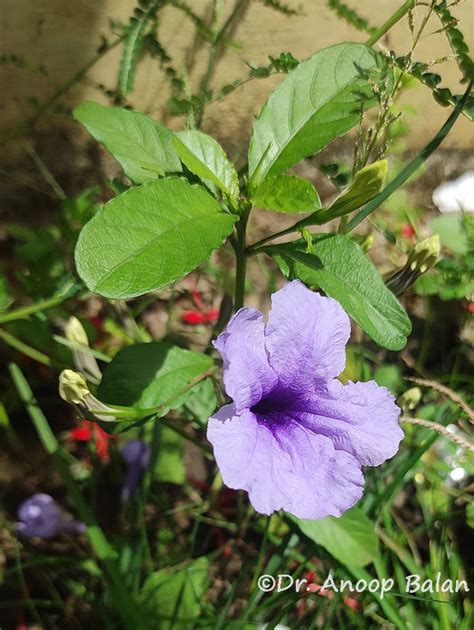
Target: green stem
x: 211, y: 64
x: 25, y: 311
x: 412, y: 166
x: 25, y: 349
x: 392, y: 20
x: 241, y: 259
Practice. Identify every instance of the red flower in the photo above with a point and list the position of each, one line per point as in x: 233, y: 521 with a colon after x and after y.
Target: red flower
x: 199, y: 316
x: 87, y: 431
x: 193, y: 317
x: 407, y: 231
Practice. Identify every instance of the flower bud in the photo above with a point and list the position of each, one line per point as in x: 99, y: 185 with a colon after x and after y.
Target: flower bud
x: 410, y: 399
x: 84, y: 360
x: 40, y: 516
x: 421, y: 258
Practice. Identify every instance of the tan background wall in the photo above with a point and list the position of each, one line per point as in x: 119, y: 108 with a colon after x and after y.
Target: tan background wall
x: 63, y: 35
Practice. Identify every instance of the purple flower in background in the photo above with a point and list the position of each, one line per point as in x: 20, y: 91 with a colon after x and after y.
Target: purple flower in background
x: 137, y: 455
x: 295, y: 437
x: 40, y: 516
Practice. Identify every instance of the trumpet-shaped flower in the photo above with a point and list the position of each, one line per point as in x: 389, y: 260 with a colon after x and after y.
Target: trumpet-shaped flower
x: 294, y: 437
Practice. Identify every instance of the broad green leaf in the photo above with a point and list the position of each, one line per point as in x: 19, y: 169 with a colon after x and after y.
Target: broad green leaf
x: 367, y: 183
x: 205, y: 158
x: 286, y: 193
x: 147, y: 375
x: 143, y: 148
x: 169, y: 462
x: 150, y: 236
x: 351, y: 538
x: 340, y: 268
x: 319, y: 101
x: 176, y: 597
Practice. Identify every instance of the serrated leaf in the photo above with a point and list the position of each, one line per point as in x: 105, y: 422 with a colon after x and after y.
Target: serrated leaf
x: 286, y: 193
x: 205, y: 158
x: 367, y: 183
x: 148, y: 375
x: 351, y: 538
x: 319, y: 101
x: 131, y: 52
x: 143, y: 147
x: 341, y: 269
x: 175, y: 596
x: 150, y: 236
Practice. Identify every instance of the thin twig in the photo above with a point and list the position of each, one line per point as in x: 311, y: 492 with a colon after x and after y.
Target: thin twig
x: 446, y: 391
x: 44, y: 170
x: 442, y: 430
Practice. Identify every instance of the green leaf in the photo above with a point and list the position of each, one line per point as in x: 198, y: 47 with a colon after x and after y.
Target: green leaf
x: 340, y: 268
x: 131, y: 52
x: 286, y: 193
x: 150, y: 236
x: 143, y: 148
x: 147, y: 375
x: 205, y: 158
x: 451, y: 233
x: 176, y: 596
x: 367, y: 183
x: 169, y: 464
x: 350, y: 538
x: 319, y: 101
x: 5, y: 298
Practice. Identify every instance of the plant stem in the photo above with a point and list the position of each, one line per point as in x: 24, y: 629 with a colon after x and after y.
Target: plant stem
x: 392, y: 20
x: 241, y: 259
x: 25, y: 311
x: 25, y: 349
x: 215, y: 46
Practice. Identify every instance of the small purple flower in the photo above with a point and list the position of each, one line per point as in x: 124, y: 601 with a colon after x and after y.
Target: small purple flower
x: 295, y: 438
x: 40, y: 516
x: 137, y: 455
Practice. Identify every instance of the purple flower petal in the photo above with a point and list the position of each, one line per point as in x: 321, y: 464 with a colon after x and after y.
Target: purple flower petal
x: 295, y: 438
x: 39, y: 516
x: 306, y: 336
x: 247, y: 374
x: 137, y: 455
x: 283, y: 465
x: 360, y: 418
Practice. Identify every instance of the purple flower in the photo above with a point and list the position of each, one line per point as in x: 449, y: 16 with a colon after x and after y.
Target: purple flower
x: 137, y: 455
x: 295, y: 437
x: 40, y: 516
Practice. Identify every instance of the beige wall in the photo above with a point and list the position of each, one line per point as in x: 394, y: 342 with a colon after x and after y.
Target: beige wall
x: 64, y: 34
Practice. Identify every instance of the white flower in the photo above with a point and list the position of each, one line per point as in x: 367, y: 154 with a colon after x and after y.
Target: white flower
x: 456, y: 195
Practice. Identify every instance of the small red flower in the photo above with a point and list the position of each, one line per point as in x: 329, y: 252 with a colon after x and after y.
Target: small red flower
x: 87, y: 431
x: 407, y: 231
x: 469, y: 307
x: 193, y: 317
x: 201, y: 315
x: 352, y: 603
